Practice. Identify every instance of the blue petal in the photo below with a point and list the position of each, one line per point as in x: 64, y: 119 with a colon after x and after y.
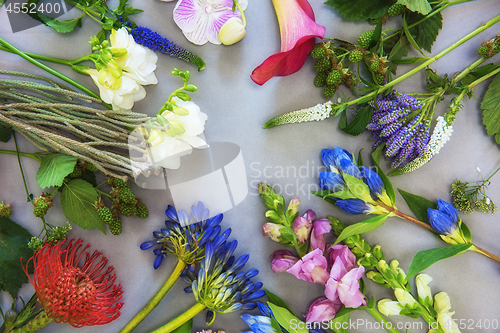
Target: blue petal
x: 331, y: 158
x: 239, y: 264
x: 214, y: 221
x: 147, y: 245
x: 331, y: 181
x: 222, y: 238
x: 264, y: 309
x: 347, y: 166
x: 255, y: 295
x: 440, y: 222
x: 449, y: 210
x: 251, y: 273
x: 373, y: 180
x: 188, y: 290
x: 158, y: 260
x: 353, y: 206
x: 183, y: 218
x: 171, y: 213
x: 157, y: 234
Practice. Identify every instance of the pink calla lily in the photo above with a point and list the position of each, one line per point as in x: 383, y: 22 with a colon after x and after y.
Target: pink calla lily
x: 298, y: 32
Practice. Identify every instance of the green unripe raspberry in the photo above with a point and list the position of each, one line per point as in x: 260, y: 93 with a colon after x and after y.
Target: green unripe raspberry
x: 91, y: 167
x: 322, y: 65
x: 115, y: 226
x: 365, y: 39
x: 483, y: 50
x: 318, y: 51
x: 329, y: 91
x: 335, y: 77
x: 126, y: 195
x: 375, y: 66
x: 320, y: 79
x: 117, y: 182
x: 396, y: 9
x: 77, y: 172
x: 104, y: 214
x: 339, y: 52
x: 356, y: 56
x: 141, y: 210
x: 378, y: 78
x: 39, y: 212
x: 127, y: 209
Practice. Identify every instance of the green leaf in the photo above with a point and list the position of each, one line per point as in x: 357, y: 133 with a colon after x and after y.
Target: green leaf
x: 359, y: 123
x: 276, y: 300
x: 376, y: 155
x: 286, y: 319
x: 424, y: 259
x: 53, y: 169
x: 362, y: 227
x: 360, y: 10
x: 13, y: 246
x: 465, y: 232
x: 418, y: 205
x: 360, y: 158
x: 410, y: 37
x: 2, y: 2
x: 64, y: 26
x: 340, y: 319
x: 132, y: 11
x: 5, y: 133
x: 425, y: 33
x: 377, y: 33
x: 478, y: 72
x: 184, y: 328
x: 491, y: 109
x: 77, y: 199
x: 421, y: 6
x: 357, y: 187
x: 342, y: 195
x: 275, y: 325
x: 399, y: 51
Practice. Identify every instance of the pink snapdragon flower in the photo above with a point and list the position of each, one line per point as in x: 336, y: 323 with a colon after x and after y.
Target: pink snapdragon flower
x: 323, y: 310
x: 311, y: 268
x: 343, y: 281
x: 202, y: 20
x: 272, y: 230
x: 282, y: 260
x: 319, y: 229
x: 298, y: 32
x: 302, y: 226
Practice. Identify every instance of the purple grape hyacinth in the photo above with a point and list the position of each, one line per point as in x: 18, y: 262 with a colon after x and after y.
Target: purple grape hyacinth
x: 398, y: 122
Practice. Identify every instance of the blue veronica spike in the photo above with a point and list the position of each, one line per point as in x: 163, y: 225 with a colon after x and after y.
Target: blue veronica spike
x: 152, y: 40
x: 354, y: 206
x: 331, y: 181
x: 373, y: 180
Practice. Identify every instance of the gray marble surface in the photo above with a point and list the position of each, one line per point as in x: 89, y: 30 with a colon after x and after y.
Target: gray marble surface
x: 237, y: 108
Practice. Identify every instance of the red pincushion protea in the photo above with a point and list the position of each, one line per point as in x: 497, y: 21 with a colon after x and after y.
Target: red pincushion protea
x: 81, y: 295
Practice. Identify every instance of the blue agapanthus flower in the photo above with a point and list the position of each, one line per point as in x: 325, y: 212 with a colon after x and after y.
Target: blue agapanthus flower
x: 184, y: 239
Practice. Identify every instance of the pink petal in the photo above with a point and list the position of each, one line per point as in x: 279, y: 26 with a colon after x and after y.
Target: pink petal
x: 331, y: 287
x: 218, y: 17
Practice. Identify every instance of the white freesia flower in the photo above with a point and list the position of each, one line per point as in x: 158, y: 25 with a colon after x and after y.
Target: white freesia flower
x: 139, y: 62
x: 123, y: 97
x: 165, y: 149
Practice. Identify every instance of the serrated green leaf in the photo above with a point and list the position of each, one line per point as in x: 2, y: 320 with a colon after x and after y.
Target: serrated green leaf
x: 5, y: 133
x: 276, y: 300
x: 77, y: 198
x: 360, y: 10
x: 418, y: 205
x: 184, y: 328
x: 409, y: 36
x: 491, y: 108
x: 399, y: 51
x: 477, y: 73
x: 53, y: 169
x: 13, y: 246
x: 420, y: 6
x: 376, y: 155
x: 362, y: 227
x: 424, y: 259
x: 359, y: 123
x: 425, y: 33
x: 66, y: 25
x: 286, y: 319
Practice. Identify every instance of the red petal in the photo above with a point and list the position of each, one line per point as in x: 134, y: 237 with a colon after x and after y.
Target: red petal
x: 284, y: 63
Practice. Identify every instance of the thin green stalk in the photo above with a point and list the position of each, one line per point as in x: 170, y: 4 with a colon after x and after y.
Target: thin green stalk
x: 178, y: 321
x: 156, y: 299
x: 385, y: 324
x: 450, y: 48
x: 468, y: 70
x: 102, y: 193
x: 20, y: 153
x: 50, y: 70
x: 28, y: 197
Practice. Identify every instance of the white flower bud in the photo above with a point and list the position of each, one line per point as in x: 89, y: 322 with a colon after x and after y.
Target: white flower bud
x: 404, y: 297
x: 389, y: 307
x: 232, y: 31
x: 423, y: 290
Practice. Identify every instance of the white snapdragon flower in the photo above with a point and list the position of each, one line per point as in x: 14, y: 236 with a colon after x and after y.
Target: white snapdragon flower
x: 165, y: 149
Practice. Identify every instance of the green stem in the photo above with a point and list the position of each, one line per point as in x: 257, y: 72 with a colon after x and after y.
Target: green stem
x: 20, y: 153
x: 101, y: 192
x: 35, y: 324
x: 28, y: 197
x: 178, y: 321
x: 244, y: 20
x: 450, y: 48
x: 385, y: 324
x: 468, y: 70
x: 48, y: 69
x: 484, y: 252
x: 41, y: 57
x: 156, y: 299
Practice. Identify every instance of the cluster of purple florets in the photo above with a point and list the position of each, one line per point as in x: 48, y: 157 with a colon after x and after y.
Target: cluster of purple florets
x: 398, y: 123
